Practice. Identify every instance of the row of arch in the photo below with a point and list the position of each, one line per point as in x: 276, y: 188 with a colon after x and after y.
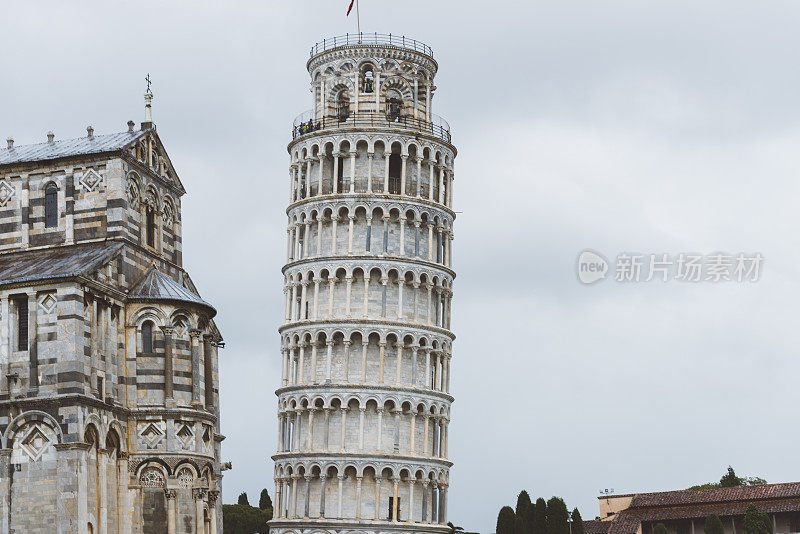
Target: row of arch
x: 427, y: 150
x: 352, y: 491
x: 381, y: 427
x: 368, y: 294
x: 346, y: 65
x: 375, y: 232
x: 358, y: 168
x: 395, y: 361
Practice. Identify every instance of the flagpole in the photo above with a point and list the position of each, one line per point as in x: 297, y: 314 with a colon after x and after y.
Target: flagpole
x: 358, y: 19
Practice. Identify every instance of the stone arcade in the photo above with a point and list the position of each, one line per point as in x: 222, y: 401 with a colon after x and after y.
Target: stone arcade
x: 364, y: 403
x: 109, y: 417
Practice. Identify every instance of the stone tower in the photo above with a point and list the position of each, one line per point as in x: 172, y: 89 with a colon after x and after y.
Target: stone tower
x: 109, y: 406
x: 364, y: 403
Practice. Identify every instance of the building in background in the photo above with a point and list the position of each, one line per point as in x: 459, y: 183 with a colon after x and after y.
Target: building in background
x: 685, y: 511
x: 109, y: 409
x: 364, y: 403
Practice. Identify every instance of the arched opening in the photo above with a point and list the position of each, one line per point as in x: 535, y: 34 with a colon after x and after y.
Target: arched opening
x: 394, y: 105
x: 395, y: 169
x: 147, y: 337
x: 51, y: 206
x: 369, y: 80
x: 150, y: 227
x: 342, y: 105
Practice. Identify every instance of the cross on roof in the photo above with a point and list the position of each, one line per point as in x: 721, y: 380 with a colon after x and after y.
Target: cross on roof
x: 147, y: 79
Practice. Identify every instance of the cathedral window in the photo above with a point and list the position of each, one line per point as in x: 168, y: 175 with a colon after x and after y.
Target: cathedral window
x: 51, y: 206
x: 147, y: 337
x: 151, y: 477
x: 21, y: 308
x: 151, y: 227
x: 185, y: 478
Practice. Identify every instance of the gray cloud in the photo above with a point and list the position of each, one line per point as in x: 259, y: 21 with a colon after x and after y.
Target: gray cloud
x: 620, y: 126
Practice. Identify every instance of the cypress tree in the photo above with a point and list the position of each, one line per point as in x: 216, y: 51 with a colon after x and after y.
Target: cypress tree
x: 557, y: 516
x: 529, y: 518
x: 577, y: 522
x: 660, y: 529
x: 519, y: 525
x: 540, y: 517
x: 756, y: 522
x: 523, y: 502
x: 243, y: 499
x: 714, y: 525
x: 265, y: 502
x: 505, y: 521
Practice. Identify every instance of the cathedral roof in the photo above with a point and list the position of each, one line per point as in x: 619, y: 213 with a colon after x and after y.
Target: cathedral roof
x: 54, y: 263
x: 69, y: 147
x: 155, y: 286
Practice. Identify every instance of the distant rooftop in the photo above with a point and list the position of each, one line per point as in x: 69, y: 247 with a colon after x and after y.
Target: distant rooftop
x: 49, y: 150
x: 354, y: 39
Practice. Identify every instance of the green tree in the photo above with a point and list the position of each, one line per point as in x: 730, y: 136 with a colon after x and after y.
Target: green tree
x: 243, y: 499
x: 245, y: 519
x: 523, y: 502
x: 557, y: 516
x: 540, y: 517
x: 660, y: 528
x: 713, y: 525
x: 524, y: 511
x: 264, y: 501
x: 756, y: 522
x: 730, y: 480
x: 505, y: 521
x: 577, y: 522
x: 519, y: 525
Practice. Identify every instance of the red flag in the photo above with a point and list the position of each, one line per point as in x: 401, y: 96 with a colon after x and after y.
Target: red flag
x: 349, y: 9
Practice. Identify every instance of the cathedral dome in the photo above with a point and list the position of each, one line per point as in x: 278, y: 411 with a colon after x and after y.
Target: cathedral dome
x: 157, y: 286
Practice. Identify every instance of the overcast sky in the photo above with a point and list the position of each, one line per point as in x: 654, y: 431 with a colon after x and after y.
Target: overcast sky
x: 651, y: 127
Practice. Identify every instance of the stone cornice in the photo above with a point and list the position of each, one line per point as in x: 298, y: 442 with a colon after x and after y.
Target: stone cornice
x: 391, y: 132
x: 362, y: 458
x: 377, y: 258
x: 382, y: 324
x: 374, y: 199
x: 363, y: 50
x: 334, y: 389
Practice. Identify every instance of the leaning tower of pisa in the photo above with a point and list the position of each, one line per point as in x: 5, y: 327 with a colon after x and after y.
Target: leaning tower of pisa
x: 364, y: 402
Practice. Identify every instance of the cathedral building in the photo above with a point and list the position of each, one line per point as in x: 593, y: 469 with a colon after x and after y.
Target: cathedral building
x: 364, y: 402
x: 109, y: 407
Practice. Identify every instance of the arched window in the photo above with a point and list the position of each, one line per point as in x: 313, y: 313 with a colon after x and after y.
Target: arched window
x: 342, y: 106
x: 152, y: 477
x: 395, y: 167
x: 394, y: 105
x: 151, y: 228
x: 369, y: 81
x: 51, y: 206
x: 147, y: 337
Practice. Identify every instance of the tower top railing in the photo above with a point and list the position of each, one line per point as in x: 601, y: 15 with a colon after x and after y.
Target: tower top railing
x: 354, y: 39
x: 306, y: 123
